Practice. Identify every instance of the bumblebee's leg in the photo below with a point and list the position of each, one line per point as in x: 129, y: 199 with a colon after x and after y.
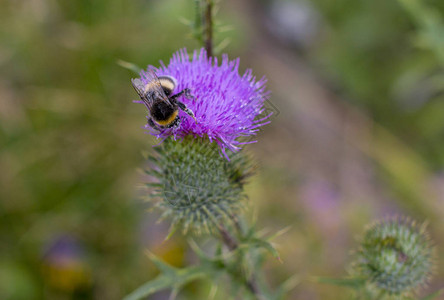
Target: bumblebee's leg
x: 153, y: 125
x: 185, y: 92
x: 186, y: 109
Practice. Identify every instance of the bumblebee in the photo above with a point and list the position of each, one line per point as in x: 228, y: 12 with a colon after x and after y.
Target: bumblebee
x: 162, y: 105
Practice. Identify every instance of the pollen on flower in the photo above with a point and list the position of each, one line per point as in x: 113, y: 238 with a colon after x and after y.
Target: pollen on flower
x: 227, y: 105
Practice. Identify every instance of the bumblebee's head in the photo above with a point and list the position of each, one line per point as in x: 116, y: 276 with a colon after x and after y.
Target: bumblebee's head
x: 175, y: 123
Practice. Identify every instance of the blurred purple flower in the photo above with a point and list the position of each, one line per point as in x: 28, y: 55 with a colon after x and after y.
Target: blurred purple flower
x: 65, y: 266
x: 227, y: 104
x: 63, y: 251
x: 323, y: 203
x: 295, y: 22
x: 437, y: 186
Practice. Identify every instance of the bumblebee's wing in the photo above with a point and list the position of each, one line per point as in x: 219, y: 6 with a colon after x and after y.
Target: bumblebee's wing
x: 155, y: 85
x: 150, y: 76
x: 139, y: 87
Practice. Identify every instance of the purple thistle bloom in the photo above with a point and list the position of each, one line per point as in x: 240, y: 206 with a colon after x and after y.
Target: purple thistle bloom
x: 226, y: 104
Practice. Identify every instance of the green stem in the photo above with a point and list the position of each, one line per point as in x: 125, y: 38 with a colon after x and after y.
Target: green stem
x: 232, y: 244
x: 208, y: 27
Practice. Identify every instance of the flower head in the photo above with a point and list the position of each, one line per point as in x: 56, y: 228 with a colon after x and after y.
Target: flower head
x: 226, y: 104
x: 396, y: 257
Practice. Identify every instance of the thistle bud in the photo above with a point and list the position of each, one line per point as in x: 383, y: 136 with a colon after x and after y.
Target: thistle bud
x: 197, y: 187
x: 395, y: 257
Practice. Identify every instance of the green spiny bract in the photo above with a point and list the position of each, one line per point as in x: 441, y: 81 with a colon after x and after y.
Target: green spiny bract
x: 196, y: 187
x: 396, y: 257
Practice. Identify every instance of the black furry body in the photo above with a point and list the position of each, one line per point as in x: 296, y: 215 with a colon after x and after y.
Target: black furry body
x: 157, y: 96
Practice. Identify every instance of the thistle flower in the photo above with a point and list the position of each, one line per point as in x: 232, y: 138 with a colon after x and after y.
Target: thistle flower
x: 197, y: 188
x: 395, y: 256
x: 226, y: 105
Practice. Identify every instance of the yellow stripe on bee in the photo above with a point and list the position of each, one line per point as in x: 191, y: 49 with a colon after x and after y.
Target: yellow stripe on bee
x: 169, y: 120
x: 167, y: 83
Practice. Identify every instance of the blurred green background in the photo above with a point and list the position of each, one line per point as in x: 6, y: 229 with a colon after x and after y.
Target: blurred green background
x: 358, y: 135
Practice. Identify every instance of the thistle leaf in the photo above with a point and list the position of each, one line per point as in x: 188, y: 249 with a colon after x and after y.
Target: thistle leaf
x: 129, y: 66
x: 279, y: 233
x: 186, y: 22
x: 198, y: 251
x: 169, y: 278
x: 162, y: 266
x: 286, y: 287
x: 266, y: 245
x: 172, y: 231
x: 159, y: 283
x: 222, y: 45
